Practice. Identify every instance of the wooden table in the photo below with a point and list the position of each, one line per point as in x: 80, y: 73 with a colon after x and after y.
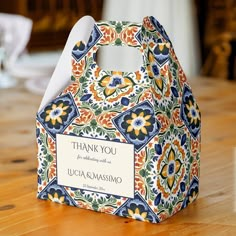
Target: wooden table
x: 214, y: 213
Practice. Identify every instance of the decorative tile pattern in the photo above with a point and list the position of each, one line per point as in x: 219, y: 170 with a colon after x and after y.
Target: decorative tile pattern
x: 190, y: 112
x: 56, y: 193
x: 159, y: 28
x: 192, y: 193
x: 58, y: 114
x: 138, y: 125
x: 137, y: 209
x: 161, y: 54
x: 80, y: 49
x: 152, y: 108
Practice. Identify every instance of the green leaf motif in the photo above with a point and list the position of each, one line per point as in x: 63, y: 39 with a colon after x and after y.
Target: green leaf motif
x: 118, y: 42
x: 87, y: 129
x: 100, y: 131
x: 98, y: 111
x: 143, y: 173
x: 175, y: 65
x: 118, y: 27
x: 93, y: 123
x: 149, y: 168
x: 170, y: 209
x: 82, y: 79
x: 191, y: 159
x: 95, y: 206
x: 49, y: 158
x: 101, y: 200
x: 148, y: 180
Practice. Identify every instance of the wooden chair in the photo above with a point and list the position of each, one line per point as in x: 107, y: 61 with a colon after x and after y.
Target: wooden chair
x: 220, y: 31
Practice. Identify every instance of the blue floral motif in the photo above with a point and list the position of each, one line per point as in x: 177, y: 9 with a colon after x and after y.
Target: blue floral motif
x: 138, y: 125
x: 125, y: 101
x: 80, y: 49
x: 85, y: 97
x: 56, y: 193
x: 58, y: 114
x: 190, y: 113
x: 161, y: 54
x: 138, y: 209
x: 182, y: 186
x: 192, y: 192
x: 158, y: 149
x: 157, y: 199
x: 160, y: 28
x: 96, y: 34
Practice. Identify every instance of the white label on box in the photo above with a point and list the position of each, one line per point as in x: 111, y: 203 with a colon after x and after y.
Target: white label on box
x: 95, y: 165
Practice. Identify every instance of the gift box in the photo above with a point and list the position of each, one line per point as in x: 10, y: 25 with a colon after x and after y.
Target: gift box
x: 123, y: 143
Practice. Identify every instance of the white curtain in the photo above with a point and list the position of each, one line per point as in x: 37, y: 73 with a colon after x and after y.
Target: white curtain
x: 178, y: 18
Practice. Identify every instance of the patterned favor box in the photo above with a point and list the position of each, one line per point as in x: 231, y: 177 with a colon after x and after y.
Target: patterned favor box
x: 123, y: 143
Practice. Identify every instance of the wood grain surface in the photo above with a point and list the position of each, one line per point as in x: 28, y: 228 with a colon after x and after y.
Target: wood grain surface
x: 214, y: 213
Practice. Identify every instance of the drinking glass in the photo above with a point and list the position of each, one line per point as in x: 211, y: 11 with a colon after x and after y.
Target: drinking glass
x: 6, y: 44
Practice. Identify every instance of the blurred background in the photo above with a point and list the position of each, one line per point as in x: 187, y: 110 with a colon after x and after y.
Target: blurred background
x: 203, y: 33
